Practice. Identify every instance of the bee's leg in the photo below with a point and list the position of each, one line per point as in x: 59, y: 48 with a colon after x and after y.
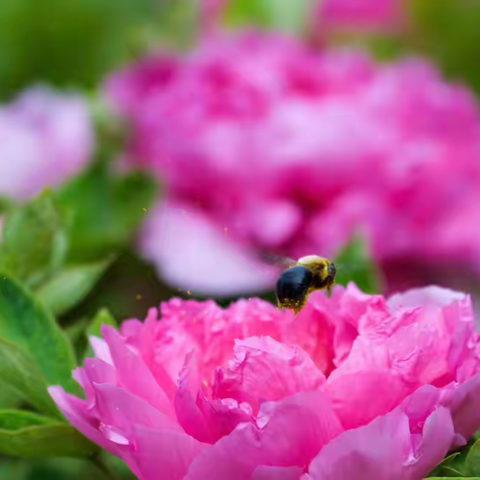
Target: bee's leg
x: 329, y: 291
x: 298, y: 306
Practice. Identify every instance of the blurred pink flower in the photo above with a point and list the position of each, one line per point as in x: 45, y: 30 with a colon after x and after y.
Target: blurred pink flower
x: 266, y: 145
x: 355, y: 386
x: 45, y: 137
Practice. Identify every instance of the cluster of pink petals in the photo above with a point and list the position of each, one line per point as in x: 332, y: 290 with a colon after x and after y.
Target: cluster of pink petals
x: 45, y: 137
x: 355, y: 386
x: 267, y: 145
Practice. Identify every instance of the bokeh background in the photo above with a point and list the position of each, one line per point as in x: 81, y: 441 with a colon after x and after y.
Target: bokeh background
x: 348, y: 128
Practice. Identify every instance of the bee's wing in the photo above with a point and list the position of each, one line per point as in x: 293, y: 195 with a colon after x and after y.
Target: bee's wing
x: 278, y: 260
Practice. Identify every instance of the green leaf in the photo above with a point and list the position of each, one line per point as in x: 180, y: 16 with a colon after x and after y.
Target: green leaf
x: 446, y: 468
x: 70, y: 285
x: 103, y: 317
x: 21, y: 374
x: 354, y: 264
x: 104, y: 210
x: 286, y: 15
x: 25, y: 322
x: 246, y: 12
x: 5, y: 204
x: 9, y: 397
x: 447, y: 31
x: 97, y: 31
x: 472, y: 462
x: 16, y: 419
x: 14, y: 469
x: 289, y: 15
x: 27, y: 435
x: 34, y: 241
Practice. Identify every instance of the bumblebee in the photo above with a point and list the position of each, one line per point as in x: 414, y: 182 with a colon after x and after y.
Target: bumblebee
x: 308, y: 274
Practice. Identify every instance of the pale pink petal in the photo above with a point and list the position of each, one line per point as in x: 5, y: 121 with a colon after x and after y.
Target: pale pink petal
x: 431, y: 296
x: 101, y: 350
x: 45, y: 138
x: 199, y: 256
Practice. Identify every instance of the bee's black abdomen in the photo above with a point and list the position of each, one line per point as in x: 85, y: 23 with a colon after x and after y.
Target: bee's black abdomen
x: 293, y: 285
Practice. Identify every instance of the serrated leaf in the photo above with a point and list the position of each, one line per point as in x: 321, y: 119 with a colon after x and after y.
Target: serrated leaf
x: 34, y: 241
x: 22, y: 375
x: 472, y: 462
x: 354, y: 264
x: 104, y: 210
x: 70, y: 285
x: 27, y: 435
x: 25, y: 322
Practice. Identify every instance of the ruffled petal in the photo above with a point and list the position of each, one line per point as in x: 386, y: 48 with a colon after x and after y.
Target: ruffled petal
x: 263, y: 370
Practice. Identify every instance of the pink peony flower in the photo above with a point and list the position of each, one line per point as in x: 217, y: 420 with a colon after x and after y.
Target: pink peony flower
x: 265, y: 145
x: 355, y: 386
x: 45, y: 137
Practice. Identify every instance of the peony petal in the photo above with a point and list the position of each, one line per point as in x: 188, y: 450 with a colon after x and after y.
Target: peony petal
x: 76, y: 412
x: 205, y: 420
x: 360, y: 397
x: 465, y: 408
x: 373, y: 451
x: 196, y: 255
x: 98, y: 371
x: 101, y: 350
x: 438, y: 435
x: 429, y: 296
x: 133, y: 374
x: 124, y: 411
x: 165, y: 454
x: 264, y: 369
x: 386, y: 449
x: 277, y: 473
x: 292, y: 432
